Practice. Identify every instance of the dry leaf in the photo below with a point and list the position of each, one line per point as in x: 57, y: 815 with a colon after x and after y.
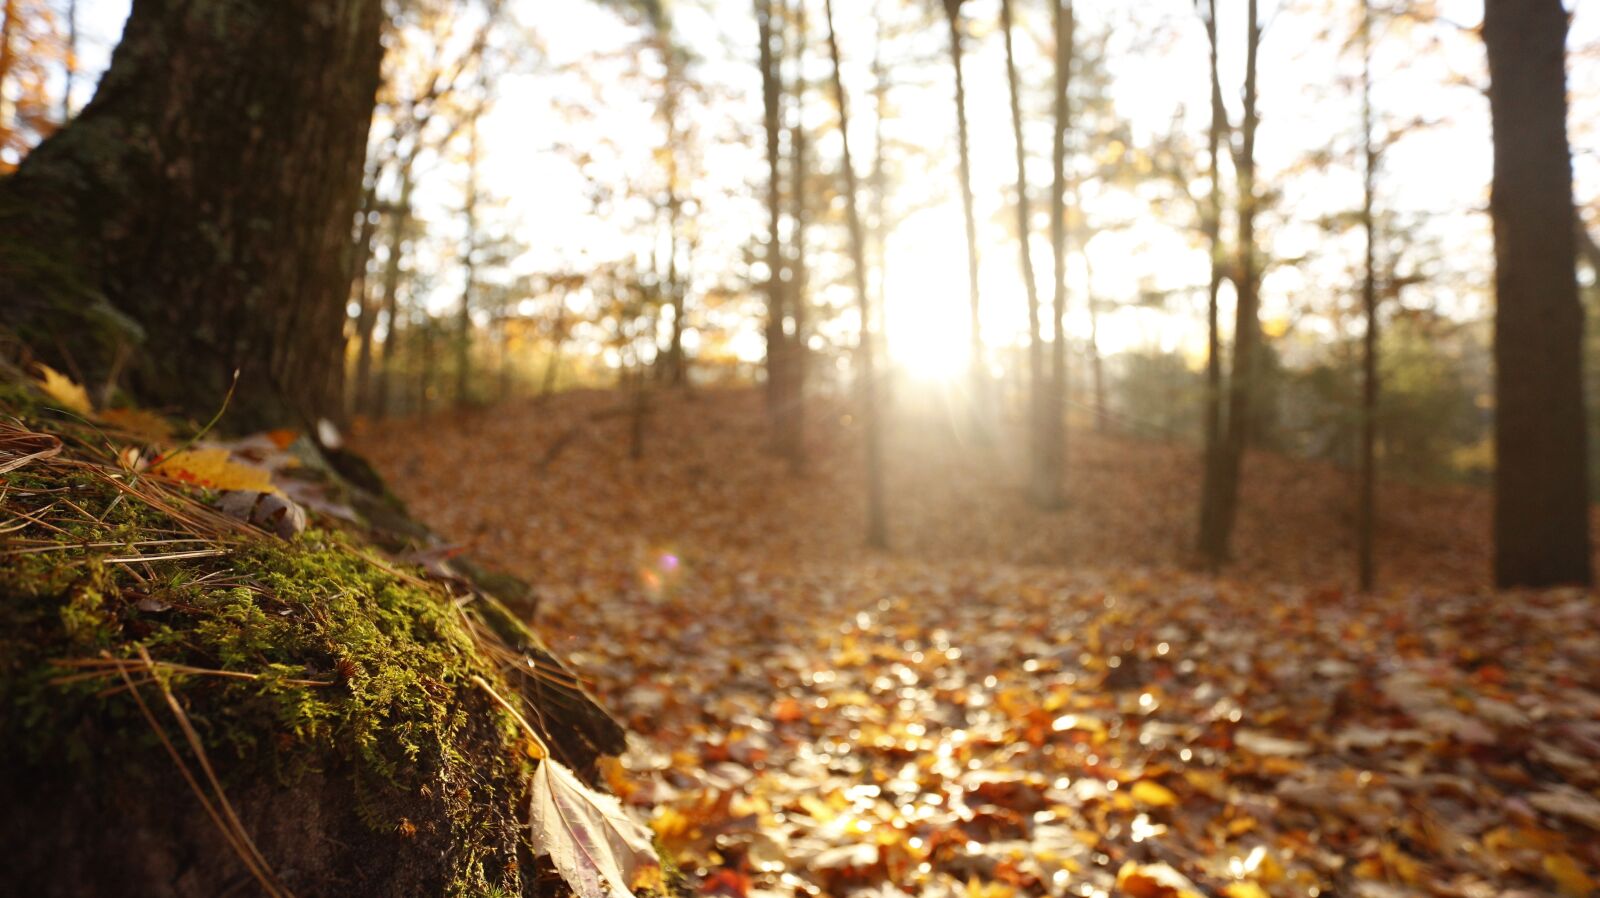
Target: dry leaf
x: 214, y: 468
x: 1154, y: 881
x: 1153, y: 794
x: 1569, y: 876
x: 64, y: 390
x: 1573, y: 804
x: 597, y: 848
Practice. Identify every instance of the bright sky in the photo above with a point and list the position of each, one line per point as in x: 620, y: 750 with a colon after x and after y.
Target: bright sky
x: 564, y: 104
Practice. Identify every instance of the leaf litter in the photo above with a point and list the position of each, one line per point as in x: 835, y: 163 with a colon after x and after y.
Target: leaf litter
x: 987, y: 713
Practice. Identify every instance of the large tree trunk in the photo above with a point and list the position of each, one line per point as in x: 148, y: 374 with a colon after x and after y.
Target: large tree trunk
x: 1541, y: 517
x: 877, y: 520
x: 206, y: 198
x: 1038, y: 480
x: 1247, y: 328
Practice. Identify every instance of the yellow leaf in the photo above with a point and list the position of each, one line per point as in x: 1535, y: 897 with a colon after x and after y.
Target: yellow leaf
x: 1569, y: 876
x: 1153, y: 794
x: 213, y: 468
x: 64, y: 390
x: 1244, y: 890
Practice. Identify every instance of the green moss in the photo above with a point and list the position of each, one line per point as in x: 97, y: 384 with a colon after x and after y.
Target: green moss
x: 396, y: 713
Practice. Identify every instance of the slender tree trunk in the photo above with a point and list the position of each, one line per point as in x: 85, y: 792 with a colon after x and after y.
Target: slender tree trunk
x: 879, y: 180
x: 797, y: 351
x: 677, y: 364
x: 1211, y: 489
x: 558, y: 337
x: 426, y: 340
x: 1247, y: 328
x: 1366, y: 517
x: 1038, y: 480
x: 1096, y: 364
x: 978, y: 375
x: 676, y: 367
x: 366, y: 313
x: 771, y: 94
x: 1055, y: 414
x: 8, y: 59
x: 203, y: 200
x: 1541, y: 516
x: 877, y: 522
x: 70, y: 76
x: 502, y: 334
x: 463, y: 335
x: 399, y: 231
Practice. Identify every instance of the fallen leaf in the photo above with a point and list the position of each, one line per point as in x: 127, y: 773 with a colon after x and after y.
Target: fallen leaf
x: 1153, y: 794
x: 597, y: 848
x: 214, y: 468
x: 1270, y: 746
x: 1569, y: 877
x: 1573, y: 804
x: 64, y: 390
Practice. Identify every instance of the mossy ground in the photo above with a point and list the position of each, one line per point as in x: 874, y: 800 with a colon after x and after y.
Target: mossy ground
x: 395, y: 724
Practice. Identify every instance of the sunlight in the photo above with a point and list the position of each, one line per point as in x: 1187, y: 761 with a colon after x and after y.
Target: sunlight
x: 925, y: 295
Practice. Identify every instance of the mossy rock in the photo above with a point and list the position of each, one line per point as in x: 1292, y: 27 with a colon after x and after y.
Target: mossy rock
x: 337, y: 696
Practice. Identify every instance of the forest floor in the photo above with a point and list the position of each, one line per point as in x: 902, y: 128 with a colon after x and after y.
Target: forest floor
x: 1014, y: 702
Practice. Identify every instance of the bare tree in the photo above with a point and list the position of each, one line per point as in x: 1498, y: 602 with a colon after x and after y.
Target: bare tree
x: 1211, y: 489
x: 1054, y: 437
x: 952, y: 10
x: 1216, y: 536
x: 1367, y: 512
x: 1039, y: 485
x: 877, y: 524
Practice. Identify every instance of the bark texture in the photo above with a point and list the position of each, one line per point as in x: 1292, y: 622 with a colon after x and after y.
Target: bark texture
x: 203, y: 204
x: 1541, y: 517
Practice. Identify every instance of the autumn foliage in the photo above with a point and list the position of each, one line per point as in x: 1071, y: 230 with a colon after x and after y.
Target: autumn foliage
x: 1014, y: 703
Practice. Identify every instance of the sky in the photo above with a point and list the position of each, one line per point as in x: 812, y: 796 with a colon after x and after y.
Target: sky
x: 569, y: 117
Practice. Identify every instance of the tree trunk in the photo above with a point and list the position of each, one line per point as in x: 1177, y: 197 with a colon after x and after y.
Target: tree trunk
x: 771, y: 93
x: 1247, y: 328
x: 1366, y: 518
x: 463, y: 335
x: 978, y: 375
x: 366, y: 313
x: 204, y: 200
x: 1211, y: 488
x: 795, y: 418
x: 8, y: 59
x: 877, y: 523
x: 1054, y: 439
x: 70, y: 75
x: 879, y: 182
x: 1038, y: 480
x: 399, y: 230
x: 1097, y: 373
x: 1541, y: 516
